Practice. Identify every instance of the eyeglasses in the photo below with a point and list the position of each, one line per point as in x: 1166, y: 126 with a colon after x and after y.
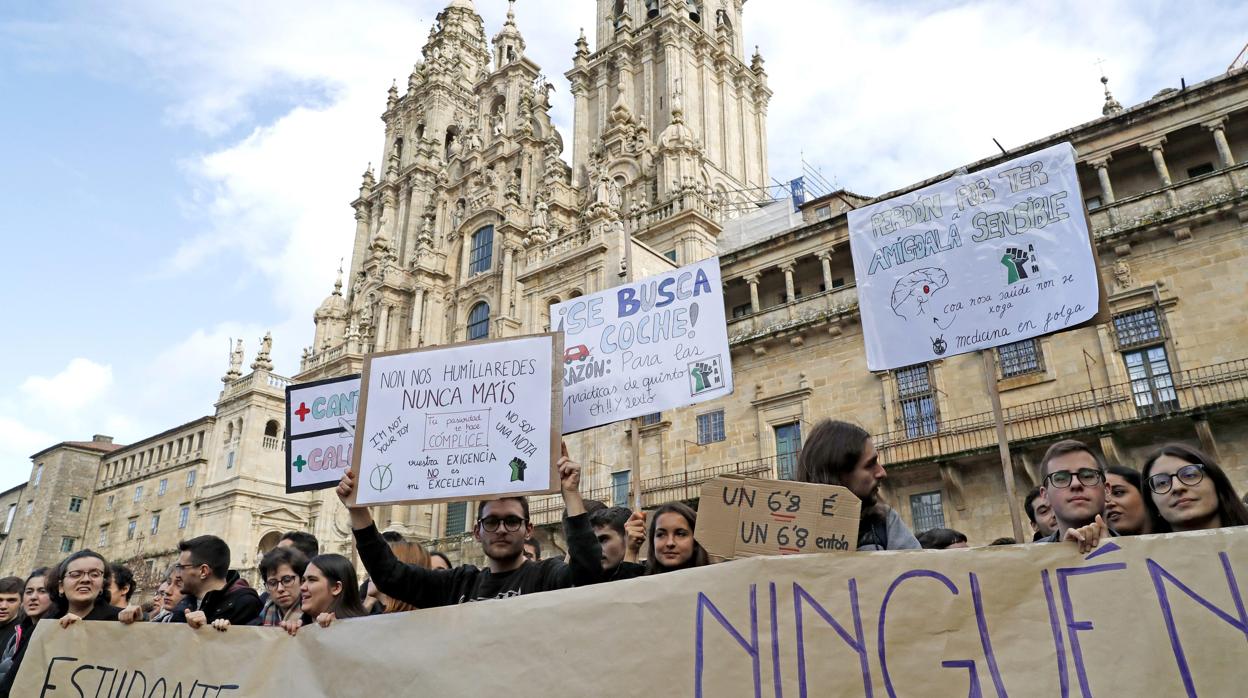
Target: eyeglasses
x: 93, y: 575
x: 179, y: 566
x: 285, y: 581
x: 511, y: 523
x: 1088, y: 477
x: 1190, y: 474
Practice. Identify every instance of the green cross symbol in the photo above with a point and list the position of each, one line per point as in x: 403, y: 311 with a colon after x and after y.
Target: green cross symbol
x: 299, y: 463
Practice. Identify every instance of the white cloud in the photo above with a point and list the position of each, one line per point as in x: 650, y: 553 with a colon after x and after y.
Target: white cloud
x: 884, y: 95
x: 17, y: 442
x: 81, y: 382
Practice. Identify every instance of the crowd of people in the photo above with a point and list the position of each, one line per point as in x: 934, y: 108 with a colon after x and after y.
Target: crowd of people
x: 1080, y: 501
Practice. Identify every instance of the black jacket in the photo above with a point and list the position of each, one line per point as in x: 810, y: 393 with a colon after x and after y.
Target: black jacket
x: 625, y: 570
x: 425, y: 588
x: 99, y: 612
x: 237, y: 602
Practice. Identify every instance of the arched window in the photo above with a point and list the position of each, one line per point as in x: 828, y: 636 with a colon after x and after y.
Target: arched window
x: 479, y: 321
x: 272, y: 428
x: 482, y: 250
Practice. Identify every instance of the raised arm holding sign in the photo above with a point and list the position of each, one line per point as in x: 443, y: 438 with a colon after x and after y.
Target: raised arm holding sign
x: 502, y: 527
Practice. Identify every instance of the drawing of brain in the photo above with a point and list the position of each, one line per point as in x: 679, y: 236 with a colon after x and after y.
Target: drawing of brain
x: 915, y: 289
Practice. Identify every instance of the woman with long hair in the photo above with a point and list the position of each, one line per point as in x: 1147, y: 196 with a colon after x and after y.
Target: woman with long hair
x: 330, y: 591
x: 1124, y: 502
x: 672, y: 545
x: 36, y: 604
x: 1189, y: 491
x: 409, y: 552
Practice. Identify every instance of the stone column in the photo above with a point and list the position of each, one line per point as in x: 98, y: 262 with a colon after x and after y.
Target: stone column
x: 752, y: 280
x: 1218, y: 128
x: 465, y: 251
x: 508, y: 280
x: 1102, y: 175
x: 580, y: 139
x: 1156, y: 148
x: 418, y: 312
x: 383, y: 328
x: 825, y: 259
x: 789, y: 293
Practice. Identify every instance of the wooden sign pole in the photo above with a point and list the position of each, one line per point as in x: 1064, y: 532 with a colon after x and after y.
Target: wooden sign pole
x: 1003, y: 443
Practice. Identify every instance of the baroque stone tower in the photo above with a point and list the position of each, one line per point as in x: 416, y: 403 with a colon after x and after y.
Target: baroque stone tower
x: 474, y: 225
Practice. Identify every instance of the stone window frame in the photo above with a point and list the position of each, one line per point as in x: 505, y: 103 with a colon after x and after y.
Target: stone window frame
x: 711, y: 427
x: 471, y: 325
x: 1036, y: 365
x: 938, y: 506
x: 916, y: 394
x: 481, y: 252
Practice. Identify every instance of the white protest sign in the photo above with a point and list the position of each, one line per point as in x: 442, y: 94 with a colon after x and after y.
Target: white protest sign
x: 644, y: 347
x: 320, y: 431
x: 975, y: 262
x: 466, y: 421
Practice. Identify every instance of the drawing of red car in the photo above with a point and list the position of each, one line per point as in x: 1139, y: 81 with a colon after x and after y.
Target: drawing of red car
x: 580, y: 352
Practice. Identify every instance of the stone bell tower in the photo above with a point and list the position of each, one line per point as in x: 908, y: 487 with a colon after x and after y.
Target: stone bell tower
x: 653, y: 58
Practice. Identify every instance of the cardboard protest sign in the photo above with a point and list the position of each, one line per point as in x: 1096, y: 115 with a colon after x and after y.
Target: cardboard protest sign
x: 465, y: 421
x: 746, y: 516
x: 320, y: 431
x: 644, y: 347
x: 975, y: 262
x: 1145, y: 616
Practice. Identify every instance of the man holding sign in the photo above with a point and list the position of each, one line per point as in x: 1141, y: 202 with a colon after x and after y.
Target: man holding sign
x: 502, y: 527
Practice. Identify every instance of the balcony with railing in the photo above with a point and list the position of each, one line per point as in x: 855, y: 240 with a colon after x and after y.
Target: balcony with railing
x: 799, y: 312
x: 1185, y: 393
x: 1173, y: 202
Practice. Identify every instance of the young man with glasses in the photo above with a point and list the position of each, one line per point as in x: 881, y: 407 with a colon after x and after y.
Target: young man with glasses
x: 1074, y: 487
x: 502, y: 527
x: 213, y: 589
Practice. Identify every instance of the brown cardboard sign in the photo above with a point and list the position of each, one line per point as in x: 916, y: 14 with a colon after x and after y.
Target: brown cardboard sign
x: 742, y: 517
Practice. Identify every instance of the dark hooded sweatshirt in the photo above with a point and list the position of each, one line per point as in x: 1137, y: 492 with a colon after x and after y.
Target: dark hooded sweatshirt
x: 237, y: 602
x: 425, y: 588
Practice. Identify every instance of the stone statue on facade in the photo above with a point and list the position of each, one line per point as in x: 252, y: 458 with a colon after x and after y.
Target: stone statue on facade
x: 263, y: 361
x: 457, y: 216
x: 236, y: 362
x: 498, y: 122
x: 474, y: 139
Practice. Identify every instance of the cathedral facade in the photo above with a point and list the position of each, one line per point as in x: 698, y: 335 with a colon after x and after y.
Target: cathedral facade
x: 474, y: 224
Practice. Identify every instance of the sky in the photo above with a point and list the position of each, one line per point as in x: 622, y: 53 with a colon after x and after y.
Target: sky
x: 174, y: 175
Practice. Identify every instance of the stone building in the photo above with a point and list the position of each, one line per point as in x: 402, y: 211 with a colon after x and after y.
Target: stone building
x: 475, y: 225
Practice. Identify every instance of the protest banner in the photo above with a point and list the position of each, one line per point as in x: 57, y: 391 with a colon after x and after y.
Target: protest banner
x: 975, y: 261
x: 1145, y: 616
x: 746, y: 516
x: 320, y: 431
x: 476, y: 420
x: 644, y: 347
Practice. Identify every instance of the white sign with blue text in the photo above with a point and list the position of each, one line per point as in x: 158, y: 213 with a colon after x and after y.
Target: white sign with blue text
x: 644, y: 347
x: 976, y: 261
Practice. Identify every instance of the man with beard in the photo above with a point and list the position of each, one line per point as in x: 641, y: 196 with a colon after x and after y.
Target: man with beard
x: 502, y: 527
x: 839, y: 453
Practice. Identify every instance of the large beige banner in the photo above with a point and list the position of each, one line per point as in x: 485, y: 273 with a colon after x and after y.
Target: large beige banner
x: 1150, y: 616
